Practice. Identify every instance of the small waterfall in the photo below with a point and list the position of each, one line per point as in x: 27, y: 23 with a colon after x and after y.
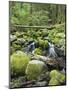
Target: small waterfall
x: 30, y: 47
x: 52, y: 52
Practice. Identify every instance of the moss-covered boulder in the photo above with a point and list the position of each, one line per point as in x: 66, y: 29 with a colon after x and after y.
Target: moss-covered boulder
x: 43, y: 43
x: 60, y: 35
x: 56, y: 41
x: 38, y: 51
x: 54, y: 81
x: 54, y: 73
x: 19, y: 61
x: 34, y: 69
x: 46, y: 43
x: 58, y: 76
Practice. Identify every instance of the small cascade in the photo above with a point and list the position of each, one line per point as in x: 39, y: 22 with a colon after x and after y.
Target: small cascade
x: 30, y: 47
x: 52, y: 52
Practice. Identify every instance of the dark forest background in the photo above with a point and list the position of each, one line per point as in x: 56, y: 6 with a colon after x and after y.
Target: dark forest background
x: 36, y: 14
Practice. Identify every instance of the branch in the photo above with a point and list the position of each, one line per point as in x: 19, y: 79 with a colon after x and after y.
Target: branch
x: 21, y: 26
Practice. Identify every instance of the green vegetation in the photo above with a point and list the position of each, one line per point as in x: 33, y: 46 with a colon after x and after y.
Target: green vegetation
x: 38, y: 51
x: 43, y: 43
x: 31, y: 14
x: 34, y: 69
x: 19, y: 61
x: 54, y: 81
x: 37, y: 44
x: 56, y: 77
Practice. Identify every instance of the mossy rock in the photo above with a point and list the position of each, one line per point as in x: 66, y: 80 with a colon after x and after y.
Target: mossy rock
x: 46, y: 44
x: 60, y: 27
x: 54, y: 81
x: 34, y: 69
x: 15, y: 46
x: 54, y: 73
x: 44, y: 32
x: 38, y: 51
x: 52, y: 33
x: 56, y: 41
x: 57, y: 34
x: 58, y: 76
x: 19, y: 61
x: 43, y: 43
x: 17, y: 34
x: 62, y: 78
x: 60, y: 35
x: 38, y: 33
x: 25, y: 37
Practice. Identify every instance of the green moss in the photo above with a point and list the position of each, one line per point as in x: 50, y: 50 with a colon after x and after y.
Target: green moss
x: 59, y: 42
x: 39, y: 38
x: 46, y: 43
x: 54, y: 81
x: 19, y: 61
x: 34, y: 69
x: 44, y: 32
x: 38, y: 51
x: 15, y: 46
x: 54, y: 73
x: 43, y: 43
x: 17, y: 34
x: 52, y: 34
x: 25, y: 37
x: 62, y: 78
x: 38, y: 33
x: 58, y: 76
x: 59, y: 35
x: 56, y: 41
x: 60, y: 27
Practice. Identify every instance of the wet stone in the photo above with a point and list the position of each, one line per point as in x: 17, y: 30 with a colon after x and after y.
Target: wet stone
x: 20, y: 41
x: 42, y: 83
x: 12, y: 38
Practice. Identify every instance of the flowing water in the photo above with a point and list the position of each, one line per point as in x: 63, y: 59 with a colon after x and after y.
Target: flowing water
x: 52, y: 52
x: 30, y: 47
